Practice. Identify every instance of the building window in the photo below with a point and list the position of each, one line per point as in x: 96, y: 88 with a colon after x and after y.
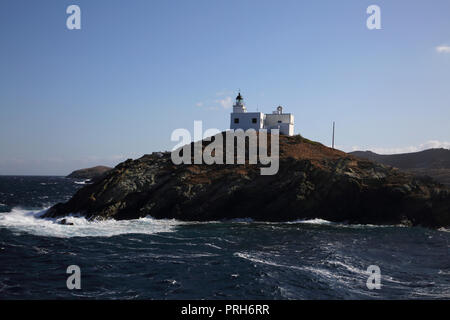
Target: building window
x: 236, y: 120
x: 279, y: 121
x: 254, y: 120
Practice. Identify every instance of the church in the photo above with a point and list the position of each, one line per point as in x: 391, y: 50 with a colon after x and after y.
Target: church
x: 241, y: 119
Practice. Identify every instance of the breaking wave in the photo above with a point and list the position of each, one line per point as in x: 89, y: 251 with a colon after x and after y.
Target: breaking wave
x: 30, y: 221
x: 312, y: 221
x: 20, y: 220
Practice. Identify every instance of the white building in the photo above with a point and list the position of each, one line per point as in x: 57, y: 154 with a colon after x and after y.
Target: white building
x: 241, y: 119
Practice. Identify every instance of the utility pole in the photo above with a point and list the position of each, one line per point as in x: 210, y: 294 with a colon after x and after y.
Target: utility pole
x: 332, y: 145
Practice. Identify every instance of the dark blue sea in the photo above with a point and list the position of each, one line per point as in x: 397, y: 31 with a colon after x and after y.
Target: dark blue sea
x: 168, y: 259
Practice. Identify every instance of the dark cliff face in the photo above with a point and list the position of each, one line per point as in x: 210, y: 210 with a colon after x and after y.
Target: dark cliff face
x: 313, y: 181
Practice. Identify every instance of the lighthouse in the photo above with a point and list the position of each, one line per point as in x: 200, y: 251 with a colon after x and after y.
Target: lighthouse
x: 241, y: 119
x: 239, y: 106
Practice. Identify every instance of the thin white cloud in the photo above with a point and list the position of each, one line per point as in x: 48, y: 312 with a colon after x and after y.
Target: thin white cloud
x: 226, y: 102
x: 443, y: 49
x: 431, y: 144
x: 223, y: 100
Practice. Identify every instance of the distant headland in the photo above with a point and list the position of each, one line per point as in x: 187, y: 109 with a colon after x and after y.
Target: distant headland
x: 89, y: 173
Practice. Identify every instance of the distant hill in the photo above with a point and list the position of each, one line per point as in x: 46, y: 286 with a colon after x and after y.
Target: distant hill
x: 89, y: 173
x: 432, y: 162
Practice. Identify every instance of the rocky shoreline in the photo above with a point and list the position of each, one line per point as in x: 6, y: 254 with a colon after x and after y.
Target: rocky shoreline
x: 313, y: 181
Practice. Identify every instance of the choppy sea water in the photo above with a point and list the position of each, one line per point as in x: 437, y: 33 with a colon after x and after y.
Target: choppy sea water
x: 168, y: 259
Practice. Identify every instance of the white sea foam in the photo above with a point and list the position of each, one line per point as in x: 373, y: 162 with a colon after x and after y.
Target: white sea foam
x: 263, y: 260
x: 348, y: 267
x: 213, y: 246
x: 88, y: 181
x: 29, y: 221
x: 318, y: 221
x: 255, y: 258
x: 311, y: 221
x: 20, y: 220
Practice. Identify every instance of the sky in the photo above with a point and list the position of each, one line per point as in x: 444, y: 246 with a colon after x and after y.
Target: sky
x: 137, y: 70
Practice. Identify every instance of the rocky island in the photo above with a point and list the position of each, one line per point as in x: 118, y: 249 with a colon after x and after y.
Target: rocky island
x: 313, y: 181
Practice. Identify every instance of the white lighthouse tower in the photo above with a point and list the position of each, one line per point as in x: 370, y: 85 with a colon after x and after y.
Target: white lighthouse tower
x: 239, y: 106
x: 241, y: 119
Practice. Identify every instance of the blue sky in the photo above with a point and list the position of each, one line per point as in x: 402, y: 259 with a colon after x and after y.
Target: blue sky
x: 137, y: 70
